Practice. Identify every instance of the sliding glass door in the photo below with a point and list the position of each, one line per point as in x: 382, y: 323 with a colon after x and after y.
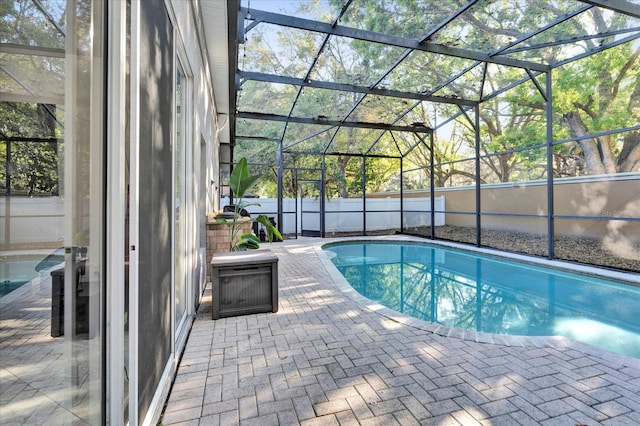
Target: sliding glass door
x: 52, y: 280
x: 180, y: 199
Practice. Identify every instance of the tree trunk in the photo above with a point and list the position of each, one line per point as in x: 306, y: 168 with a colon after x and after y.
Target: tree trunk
x: 630, y: 155
x: 505, y: 167
x: 608, y: 159
x: 589, y: 146
x: 342, y: 176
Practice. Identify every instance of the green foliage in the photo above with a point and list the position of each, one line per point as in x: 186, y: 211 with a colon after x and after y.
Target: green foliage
x: 23, y: 23
x: 606, y: 96
x: 604, y: 92
x: 240, y: 182
x: 33, y: 165
x: 247, y: 241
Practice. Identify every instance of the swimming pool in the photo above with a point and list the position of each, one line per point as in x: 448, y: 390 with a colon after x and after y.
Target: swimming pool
x: 468, y: 290
x: 17, y: 270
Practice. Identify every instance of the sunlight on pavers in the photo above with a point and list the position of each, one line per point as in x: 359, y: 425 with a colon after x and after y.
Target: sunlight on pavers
x: 331, y: 356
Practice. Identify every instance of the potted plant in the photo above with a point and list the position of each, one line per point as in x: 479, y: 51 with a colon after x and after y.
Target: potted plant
x: 240, y: 182
x: 244, y: 282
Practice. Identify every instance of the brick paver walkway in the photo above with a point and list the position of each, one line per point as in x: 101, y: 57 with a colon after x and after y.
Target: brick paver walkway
x: 329, y: 357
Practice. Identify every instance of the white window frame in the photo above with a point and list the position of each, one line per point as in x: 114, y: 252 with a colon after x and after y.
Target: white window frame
x: 180, y: 56
x: 115, y: 212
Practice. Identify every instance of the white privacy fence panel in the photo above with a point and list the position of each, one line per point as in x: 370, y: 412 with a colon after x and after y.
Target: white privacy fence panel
x: 346, y: 214
x: 415, y: 208
x: 37, y: 220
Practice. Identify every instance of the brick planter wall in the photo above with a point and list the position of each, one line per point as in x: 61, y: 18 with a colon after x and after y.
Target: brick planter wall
x: 218, y: 237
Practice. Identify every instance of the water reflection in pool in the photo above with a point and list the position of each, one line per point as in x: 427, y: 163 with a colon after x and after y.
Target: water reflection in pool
x: 465, y: 290
x: 19, y: 269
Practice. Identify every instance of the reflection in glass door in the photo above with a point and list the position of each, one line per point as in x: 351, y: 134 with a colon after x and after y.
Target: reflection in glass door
x: 52, y: 203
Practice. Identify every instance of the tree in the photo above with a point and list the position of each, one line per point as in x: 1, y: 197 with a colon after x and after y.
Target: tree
x: 509, y: 125
x: 513, y: 124
x: 605, y: 97
x: 33, y: 164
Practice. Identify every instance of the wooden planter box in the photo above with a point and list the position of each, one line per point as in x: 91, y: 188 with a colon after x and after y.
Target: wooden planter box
x: 244, y: 283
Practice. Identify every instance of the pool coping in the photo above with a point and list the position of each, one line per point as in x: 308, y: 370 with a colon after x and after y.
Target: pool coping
x: 16, y: 294
x: 37, y: 283
x: 480, y: 337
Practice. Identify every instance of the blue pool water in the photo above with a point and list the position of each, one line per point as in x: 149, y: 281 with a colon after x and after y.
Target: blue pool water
x: 17, y: 270
x: 466, y: 290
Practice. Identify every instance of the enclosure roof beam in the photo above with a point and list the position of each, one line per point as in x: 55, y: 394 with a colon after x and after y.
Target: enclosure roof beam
x: 334, y: 153
x: 398, y: 118
x: 324, y: 44
x: 30, y: 98
x: 598, y: 49
x: 542, y: 29
x: 26, y: 87
x: 571, y: 40
x: 271, y: 78
x: 24, y: 49
x: 419, y: 141
x: 47, y: 15
x: 258, y: 138
x: 621, y: 6
x: 311, y: 136
x: 337, y: 123
x: 391, y: 40
x: 597, y: 135
x: 447, y: 21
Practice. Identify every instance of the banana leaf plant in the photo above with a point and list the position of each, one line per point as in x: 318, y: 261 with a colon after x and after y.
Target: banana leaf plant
x: 240, y: 182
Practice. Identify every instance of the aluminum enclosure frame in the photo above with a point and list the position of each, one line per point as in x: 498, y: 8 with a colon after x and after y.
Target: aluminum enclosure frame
x: 248, y: 18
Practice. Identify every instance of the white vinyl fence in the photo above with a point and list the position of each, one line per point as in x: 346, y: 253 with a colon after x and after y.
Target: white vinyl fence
x: 31, y: 220
x: 346, y: 214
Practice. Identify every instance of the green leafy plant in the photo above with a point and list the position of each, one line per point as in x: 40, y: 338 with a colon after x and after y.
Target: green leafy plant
x: 240, y: 183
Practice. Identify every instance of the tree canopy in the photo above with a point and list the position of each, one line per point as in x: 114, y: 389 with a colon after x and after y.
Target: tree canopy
x: 593, y: 96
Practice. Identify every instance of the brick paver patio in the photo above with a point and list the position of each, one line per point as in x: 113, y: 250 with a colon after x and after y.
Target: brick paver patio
x: 331, y: 357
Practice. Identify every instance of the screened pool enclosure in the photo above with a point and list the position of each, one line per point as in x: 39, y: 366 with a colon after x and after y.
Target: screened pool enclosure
x: 512, y: 125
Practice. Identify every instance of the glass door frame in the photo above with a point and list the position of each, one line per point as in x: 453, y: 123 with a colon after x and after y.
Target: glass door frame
x: 186, y: 194
x: 116, y: 194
